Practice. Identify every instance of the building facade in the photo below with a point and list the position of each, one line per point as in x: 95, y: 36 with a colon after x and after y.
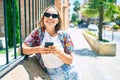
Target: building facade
x: 62, y: 5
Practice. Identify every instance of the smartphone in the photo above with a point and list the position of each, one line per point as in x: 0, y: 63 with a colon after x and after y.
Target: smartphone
x: 47, y: 44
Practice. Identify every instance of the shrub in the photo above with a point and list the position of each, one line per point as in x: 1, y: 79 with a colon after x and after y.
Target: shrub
x: 10, y: 23
x: 115, y: 27
x: 104, y: 40
x: 89, y: 32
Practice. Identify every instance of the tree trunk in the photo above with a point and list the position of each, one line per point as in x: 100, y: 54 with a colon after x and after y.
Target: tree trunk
x: 100, y: 22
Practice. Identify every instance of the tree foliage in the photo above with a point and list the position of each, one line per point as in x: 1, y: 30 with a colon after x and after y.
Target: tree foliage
x: 76, y: 8
x: 10, y: 22
x: 100, y: 7
x: 74, y: 17
x: 90, y: 13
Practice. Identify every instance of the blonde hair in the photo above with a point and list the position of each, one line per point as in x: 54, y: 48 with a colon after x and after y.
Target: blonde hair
x: 58, y: 26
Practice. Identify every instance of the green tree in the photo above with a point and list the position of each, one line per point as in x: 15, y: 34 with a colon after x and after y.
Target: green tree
x: 112, y: 11
x: 77, y: 7
x: 118, y: 20
x: 118, y: 16
x: 74, y: 17
x: 10, y: 23
x: 100, y: 7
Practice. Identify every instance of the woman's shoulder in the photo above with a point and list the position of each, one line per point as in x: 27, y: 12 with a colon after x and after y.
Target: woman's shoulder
x: 63, y: 33
x: 39, y: 29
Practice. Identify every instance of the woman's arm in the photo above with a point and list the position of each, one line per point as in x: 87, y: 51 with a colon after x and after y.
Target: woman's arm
x: 30, y: 50
x: 37, y: 49
x: 66, y: 58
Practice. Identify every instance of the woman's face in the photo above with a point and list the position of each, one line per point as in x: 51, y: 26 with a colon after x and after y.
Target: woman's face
x: 51, y: 18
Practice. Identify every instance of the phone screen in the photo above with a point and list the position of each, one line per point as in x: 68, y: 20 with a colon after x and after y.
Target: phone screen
x: 47, y: 44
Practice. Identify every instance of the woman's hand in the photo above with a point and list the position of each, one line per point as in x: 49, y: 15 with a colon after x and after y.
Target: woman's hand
x: 55, y: 50
x: 45, y: 50
x: 66, y: 58
x: 51, y: 49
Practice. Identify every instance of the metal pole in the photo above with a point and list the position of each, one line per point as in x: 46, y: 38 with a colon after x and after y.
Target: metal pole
x: 52, y: 2
x: 6, y: 30
x: 32, y: 14
x: 29, y: 16
x: 25, y: 18
x: 20, y: 28
x: 14, y: 27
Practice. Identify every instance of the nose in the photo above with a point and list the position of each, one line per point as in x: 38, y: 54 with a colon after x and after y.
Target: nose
x: 50, y: 16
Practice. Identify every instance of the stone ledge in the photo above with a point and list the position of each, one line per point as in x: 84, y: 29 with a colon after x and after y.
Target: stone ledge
x: 27, y: 70
x: 102, y: 48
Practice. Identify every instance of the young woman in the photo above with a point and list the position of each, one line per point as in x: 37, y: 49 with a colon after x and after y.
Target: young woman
x: 57, y: 58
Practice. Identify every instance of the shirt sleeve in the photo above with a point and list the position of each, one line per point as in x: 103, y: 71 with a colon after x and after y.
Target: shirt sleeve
x: 69, y: 47
x: 32, y: 38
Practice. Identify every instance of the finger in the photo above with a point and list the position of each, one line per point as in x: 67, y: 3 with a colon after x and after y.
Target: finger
x: 54, y: 47
x: 50, y: 47
x: 45, y: 52
x: 47, y: 49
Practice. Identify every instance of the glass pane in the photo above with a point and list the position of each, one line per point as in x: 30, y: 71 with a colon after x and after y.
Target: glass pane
x: 2, y: 51
x: 2, y: 37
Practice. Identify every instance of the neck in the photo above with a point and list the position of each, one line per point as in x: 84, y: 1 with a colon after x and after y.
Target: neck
x: 51, y: 32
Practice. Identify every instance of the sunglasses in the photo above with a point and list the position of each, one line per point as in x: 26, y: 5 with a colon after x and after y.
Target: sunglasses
x: 53, y: 15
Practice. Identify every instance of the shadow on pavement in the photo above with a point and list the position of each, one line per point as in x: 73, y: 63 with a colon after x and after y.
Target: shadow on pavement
x: 85, y: 52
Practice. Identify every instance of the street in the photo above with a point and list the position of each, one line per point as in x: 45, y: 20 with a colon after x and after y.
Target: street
x: 90, y: 64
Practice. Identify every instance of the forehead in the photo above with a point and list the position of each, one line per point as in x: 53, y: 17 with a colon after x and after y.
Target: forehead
x: 52, y: 10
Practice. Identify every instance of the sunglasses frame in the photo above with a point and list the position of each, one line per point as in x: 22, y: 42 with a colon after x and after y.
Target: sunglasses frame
x: 53, y: 15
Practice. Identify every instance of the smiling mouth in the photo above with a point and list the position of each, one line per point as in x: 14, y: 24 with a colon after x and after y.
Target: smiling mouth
x: 50, y: 21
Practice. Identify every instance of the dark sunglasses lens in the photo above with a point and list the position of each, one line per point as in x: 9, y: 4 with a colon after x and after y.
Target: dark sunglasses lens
x: 46, y: 14
x: 55, y: 15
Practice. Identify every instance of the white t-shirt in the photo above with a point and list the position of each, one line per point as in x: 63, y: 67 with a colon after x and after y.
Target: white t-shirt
x: 50, y: 60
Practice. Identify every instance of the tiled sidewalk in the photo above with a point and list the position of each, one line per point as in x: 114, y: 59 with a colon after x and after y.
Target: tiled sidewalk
x: 90, y: 65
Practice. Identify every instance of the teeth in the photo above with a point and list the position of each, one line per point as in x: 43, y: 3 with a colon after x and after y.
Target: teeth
x: 50, y: 21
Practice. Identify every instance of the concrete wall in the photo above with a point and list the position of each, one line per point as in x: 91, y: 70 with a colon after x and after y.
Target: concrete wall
x: 102, y: 48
